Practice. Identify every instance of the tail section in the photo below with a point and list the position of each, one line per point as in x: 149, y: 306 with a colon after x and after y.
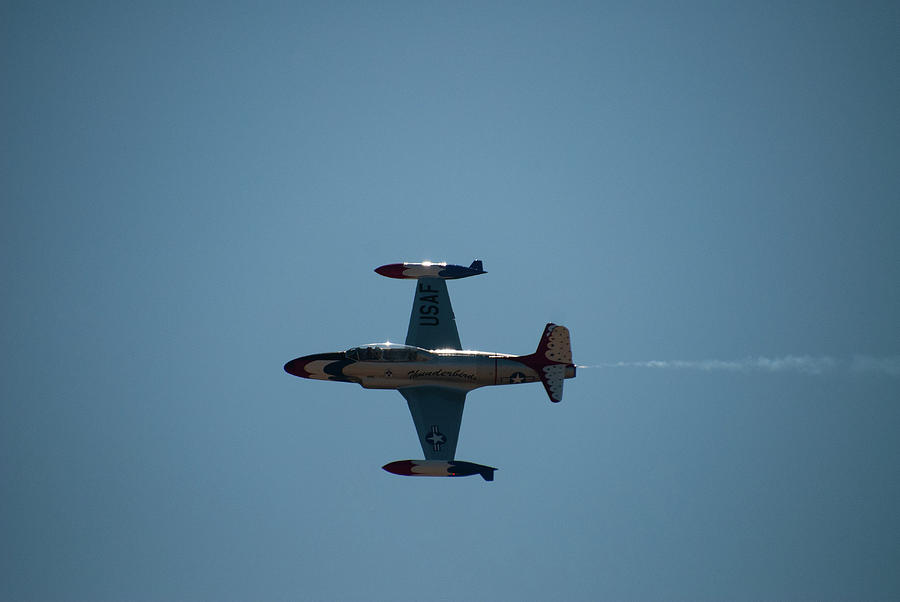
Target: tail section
x: 555, y: 345
x: 552, y: 360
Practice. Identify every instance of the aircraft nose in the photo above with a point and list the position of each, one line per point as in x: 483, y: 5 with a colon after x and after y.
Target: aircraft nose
x: 312, y: 366
x: 295, y: 367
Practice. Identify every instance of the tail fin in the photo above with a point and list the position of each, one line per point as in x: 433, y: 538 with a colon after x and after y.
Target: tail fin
x: 552, y: 360
x: 477, y: 265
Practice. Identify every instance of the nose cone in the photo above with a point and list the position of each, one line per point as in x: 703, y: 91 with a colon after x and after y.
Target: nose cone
x: 400, y: 467
x: 312, y: 366
x: 295, y: 367
x: 391, y: 270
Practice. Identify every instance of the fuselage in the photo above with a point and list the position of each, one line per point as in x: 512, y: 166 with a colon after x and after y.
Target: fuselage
x: 391, y: 366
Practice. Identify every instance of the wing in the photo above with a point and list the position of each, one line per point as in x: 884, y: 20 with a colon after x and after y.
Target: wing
x: 431, y: 323
x: 437, y: 414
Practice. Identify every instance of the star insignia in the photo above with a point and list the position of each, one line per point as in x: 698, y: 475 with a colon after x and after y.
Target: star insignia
x: 436, y: 438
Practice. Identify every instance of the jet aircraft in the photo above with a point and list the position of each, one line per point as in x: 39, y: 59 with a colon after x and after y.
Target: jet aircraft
x: 434, y: 373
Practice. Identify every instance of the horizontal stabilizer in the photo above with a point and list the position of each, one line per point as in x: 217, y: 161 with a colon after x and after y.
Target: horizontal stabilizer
x: 439, y: 468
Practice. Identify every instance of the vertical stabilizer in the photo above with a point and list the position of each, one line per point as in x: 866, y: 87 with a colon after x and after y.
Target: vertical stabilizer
x: 552, y: 360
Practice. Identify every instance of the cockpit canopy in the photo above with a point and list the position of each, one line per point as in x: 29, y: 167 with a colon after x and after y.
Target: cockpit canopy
x: 386, y: 352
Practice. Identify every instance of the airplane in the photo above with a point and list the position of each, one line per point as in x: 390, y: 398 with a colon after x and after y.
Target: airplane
x: 433, y: 372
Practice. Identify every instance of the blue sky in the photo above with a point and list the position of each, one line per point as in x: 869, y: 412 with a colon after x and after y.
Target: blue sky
x: 195, y: 194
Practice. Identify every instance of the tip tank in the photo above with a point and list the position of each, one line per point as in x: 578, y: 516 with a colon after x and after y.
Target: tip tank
x: 439, y: 468
x: 430, y: 269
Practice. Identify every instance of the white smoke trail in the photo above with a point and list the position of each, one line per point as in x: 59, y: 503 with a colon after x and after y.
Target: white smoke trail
x: 805, y: 364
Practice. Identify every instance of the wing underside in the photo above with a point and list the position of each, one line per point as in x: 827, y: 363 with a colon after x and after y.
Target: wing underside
x: 437, y: 414
x: 436, y: 411
x: 432, y: 324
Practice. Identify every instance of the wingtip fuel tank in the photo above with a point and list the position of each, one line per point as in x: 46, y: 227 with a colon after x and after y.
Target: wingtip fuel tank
x: 439, y: 468
x: 430, y: 269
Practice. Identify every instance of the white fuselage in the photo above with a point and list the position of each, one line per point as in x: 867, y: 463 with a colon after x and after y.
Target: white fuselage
x: 465, y: 370
x: 456, y: 369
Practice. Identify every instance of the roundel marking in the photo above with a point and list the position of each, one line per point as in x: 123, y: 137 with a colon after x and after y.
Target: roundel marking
x: 436, y: 438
